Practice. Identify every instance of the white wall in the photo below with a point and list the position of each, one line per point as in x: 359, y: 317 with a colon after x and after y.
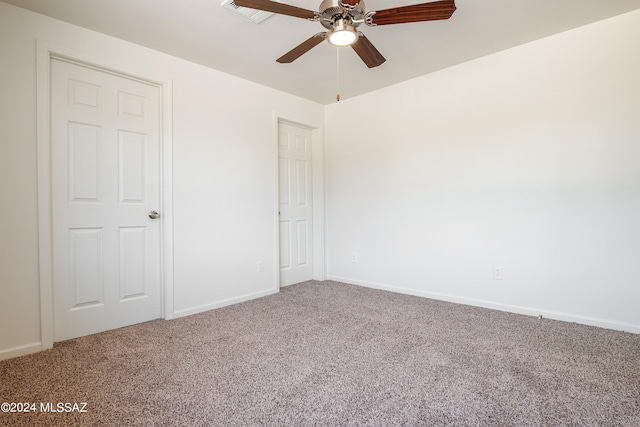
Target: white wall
x: 223, y: 170
x: 528, y: 159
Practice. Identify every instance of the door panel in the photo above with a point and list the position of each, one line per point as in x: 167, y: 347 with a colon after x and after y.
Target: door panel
x: 86, y: 267
x: 295, y: 193
x: 132, y: 167
x: 285, y: 245
x: 302, y: 175
x: 84, y: 162
x: 132, y: 261
x: 303, y: 233
x: 105, y: 179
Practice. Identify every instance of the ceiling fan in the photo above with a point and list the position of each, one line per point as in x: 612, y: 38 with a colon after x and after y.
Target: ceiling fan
x: 342, y: 17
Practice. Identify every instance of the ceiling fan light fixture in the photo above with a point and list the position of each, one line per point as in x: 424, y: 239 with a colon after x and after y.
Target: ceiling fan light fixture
x: 342, y: 34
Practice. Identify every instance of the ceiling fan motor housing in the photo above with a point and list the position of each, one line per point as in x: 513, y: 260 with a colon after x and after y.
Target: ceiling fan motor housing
x: 332, y: 11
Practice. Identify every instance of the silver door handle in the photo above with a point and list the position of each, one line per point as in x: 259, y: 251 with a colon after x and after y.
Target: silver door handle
x: 154, y: 215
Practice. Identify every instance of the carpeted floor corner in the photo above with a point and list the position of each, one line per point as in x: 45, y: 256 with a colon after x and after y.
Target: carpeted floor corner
x: 330, y: 354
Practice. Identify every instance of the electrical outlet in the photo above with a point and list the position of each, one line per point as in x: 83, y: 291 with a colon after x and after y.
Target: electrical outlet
x: 497, y: 273
x: 260, y: 267
x: 354, y: 258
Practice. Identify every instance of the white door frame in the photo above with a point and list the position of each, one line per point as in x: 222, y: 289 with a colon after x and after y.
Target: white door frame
x: 317, y: 171
x: 47, y: 51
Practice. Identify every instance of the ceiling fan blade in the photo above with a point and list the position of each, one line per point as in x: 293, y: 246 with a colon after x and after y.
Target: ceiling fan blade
x: 367, y: 52
x: 301, y: 49
x: 432, y: 11
x: 275, y: 7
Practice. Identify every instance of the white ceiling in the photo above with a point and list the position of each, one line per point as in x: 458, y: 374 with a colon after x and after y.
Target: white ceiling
x: 202, y: 31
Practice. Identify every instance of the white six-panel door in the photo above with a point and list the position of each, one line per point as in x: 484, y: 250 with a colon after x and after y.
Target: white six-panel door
x: 296, y: 204
x: 105, y: 181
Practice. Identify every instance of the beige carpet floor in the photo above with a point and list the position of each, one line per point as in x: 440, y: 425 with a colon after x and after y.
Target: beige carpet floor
x: 330, y: 354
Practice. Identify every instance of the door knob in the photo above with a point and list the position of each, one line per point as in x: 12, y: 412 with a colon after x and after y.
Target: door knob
x: 154, y: 215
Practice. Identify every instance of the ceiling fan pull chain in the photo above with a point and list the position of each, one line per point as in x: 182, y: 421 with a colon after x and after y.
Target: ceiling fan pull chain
x: 338, y: 74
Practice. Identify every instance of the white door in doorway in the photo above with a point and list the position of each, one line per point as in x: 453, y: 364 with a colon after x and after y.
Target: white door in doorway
x: 296, y: 204
x: 105, y: 177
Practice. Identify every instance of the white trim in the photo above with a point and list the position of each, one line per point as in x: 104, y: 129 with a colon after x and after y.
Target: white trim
x: 318, y: 182
x: 325, y: 212
x: 20, y: 350
x: 318, y: 186
x: 528, y: 311
x: 45, y: 240
x: 276, y: 220
x: 224, y: 303
x: 46, y: 51
x: 166, y: 199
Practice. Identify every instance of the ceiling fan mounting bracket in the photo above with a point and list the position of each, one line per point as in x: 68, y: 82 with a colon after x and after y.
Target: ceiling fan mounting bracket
x: 368, y: 18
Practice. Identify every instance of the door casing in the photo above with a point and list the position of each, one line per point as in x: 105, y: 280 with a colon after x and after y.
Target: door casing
x: 45, y: 53
x: 318, y: 180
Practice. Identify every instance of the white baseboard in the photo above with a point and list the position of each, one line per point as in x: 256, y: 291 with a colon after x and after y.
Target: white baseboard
x: 223, y: 303
x: 528, y: 311
x: 21, y: 350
